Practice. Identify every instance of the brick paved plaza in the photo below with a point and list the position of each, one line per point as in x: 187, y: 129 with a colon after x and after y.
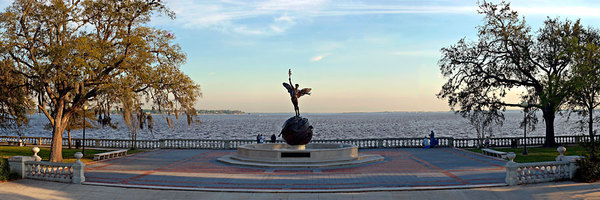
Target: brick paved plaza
x: 402, y: 168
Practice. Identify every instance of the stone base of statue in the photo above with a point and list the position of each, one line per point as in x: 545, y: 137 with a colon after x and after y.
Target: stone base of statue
x: 322, y: 155
x: 297, y: 153
x: 297, y: 131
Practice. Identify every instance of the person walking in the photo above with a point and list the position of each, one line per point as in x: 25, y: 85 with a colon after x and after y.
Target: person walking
x: 258, y: 138
x: 273, y: 138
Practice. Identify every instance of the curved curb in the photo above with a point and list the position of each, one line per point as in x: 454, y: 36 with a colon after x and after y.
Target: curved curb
x: 360, y: 160
x: 373, y: 189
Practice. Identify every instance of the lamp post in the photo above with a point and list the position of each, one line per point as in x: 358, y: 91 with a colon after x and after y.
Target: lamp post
x: 525, y: 105
x: 84, y: 108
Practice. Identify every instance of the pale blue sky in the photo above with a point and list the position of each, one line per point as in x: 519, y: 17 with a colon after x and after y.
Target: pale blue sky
x: 358, y: 56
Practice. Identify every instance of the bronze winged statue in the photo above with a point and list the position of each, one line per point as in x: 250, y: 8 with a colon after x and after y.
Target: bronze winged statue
x: 295, y: 93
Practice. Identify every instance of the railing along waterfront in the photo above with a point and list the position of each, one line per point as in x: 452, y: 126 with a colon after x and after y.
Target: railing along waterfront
x: 30, y: 167
x: 233, y: 144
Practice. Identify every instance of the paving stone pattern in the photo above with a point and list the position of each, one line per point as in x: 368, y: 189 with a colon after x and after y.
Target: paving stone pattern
x: 401, y: 168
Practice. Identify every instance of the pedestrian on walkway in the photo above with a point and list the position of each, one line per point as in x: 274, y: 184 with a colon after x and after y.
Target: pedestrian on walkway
x: 487, y: 141
x: 432, y: 141
x: 273, y: 138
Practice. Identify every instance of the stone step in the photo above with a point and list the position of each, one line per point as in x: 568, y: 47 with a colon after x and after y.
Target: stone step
x: 293, y: 161
x: 362, y: 159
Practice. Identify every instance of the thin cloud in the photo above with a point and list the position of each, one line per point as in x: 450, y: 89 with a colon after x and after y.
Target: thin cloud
x: 284, y: 18
x: 288, y: 5
x: 416, y: 53
x: 271, y: 17
x: 578, y: 11
x: 234, y: 16
x: 318, y: 57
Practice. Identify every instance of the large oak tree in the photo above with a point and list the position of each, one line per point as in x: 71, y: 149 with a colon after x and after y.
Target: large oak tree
x: 509, y: 56
x: 65, y: 53
x: 586, y: 76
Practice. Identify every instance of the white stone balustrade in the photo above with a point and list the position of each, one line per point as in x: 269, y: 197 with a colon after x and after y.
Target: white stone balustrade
x: 523, y: 173
x: 28, y: 167
x: 233, y: 144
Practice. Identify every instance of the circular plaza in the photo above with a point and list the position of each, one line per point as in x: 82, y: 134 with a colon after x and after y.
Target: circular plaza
x: 400, y: 169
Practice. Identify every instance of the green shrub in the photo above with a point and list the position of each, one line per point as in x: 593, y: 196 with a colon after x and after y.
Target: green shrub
x: 13, y: 176
x: 588, y: 168
x: 5, y: 173
x: 4, y: 170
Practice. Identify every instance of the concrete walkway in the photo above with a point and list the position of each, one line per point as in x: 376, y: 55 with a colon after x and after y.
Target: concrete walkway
x: 402, y: 169
x: 31, y: 189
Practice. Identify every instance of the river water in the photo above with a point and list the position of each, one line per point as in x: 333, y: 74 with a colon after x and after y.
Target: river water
x: 326, y: 126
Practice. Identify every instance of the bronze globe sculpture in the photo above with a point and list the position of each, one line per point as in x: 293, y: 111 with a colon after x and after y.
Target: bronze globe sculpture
x: 296, y: 130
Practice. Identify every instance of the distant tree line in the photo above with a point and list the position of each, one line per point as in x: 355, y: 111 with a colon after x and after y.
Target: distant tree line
x: 228, y: 112
x: 201, y: 112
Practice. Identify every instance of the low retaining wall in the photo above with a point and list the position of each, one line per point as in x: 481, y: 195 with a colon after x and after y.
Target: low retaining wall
x: 360, y: 143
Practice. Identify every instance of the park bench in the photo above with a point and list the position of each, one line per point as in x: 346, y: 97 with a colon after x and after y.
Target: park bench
x: 110, y: 154
x: 491, y: 152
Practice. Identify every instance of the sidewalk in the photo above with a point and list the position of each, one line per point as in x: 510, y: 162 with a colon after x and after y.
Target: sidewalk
x: 31, y: 189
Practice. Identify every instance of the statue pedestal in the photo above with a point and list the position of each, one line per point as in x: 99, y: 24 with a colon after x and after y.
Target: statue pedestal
x: 298, y: 147
x: 299, y: 156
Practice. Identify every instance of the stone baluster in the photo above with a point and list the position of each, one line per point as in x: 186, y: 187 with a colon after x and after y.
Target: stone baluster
x: 561, y: 150
x: 572, y: 169
x: 78, y: 169
x: 36, y: 150
x: 511, y: 170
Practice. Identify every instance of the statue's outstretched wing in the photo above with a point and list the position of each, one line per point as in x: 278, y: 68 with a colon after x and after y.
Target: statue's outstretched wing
x: 288, y: 87
x: 304, y: 91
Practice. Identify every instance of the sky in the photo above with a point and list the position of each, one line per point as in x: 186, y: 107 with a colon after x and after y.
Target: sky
x: 357, y: 56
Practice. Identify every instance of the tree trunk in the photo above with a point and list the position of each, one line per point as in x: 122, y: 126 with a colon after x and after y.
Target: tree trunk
x: 57, y: 131
x: 61, y: 122
x: 549, y: 116
x: 69, y: 133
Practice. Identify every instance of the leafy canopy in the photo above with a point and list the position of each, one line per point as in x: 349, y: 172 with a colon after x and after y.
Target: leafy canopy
x: 64, y: 53
x: 509, y: 56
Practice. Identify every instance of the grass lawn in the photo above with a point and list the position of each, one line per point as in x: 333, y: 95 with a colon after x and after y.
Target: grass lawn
x: 538, y: 154
x: 68, y: 154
